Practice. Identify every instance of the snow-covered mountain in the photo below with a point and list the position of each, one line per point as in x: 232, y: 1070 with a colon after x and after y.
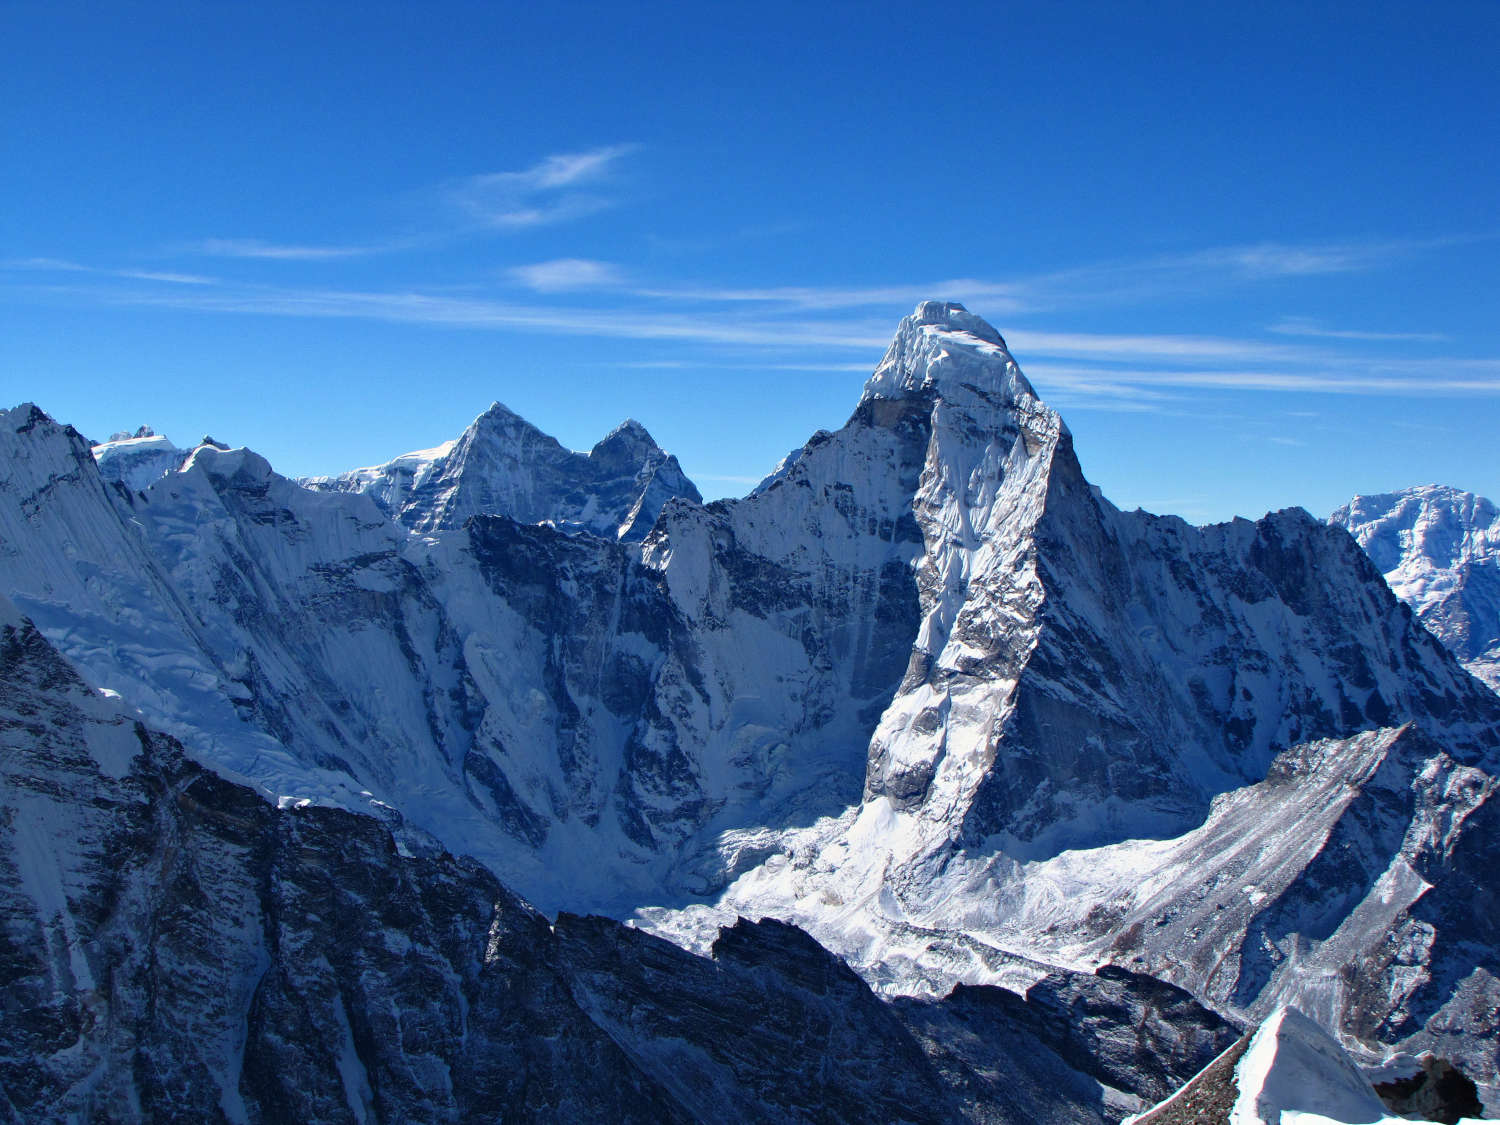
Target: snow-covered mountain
x: 1109, y: 718
x: 1439, y: 548
x: 503, y: 465
x: 925, y: 694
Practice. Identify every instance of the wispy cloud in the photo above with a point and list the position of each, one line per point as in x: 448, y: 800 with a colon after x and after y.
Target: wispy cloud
x: 281, y: 252
x: 1276, y: 259
x: 58, y: 265
x: 1111, y: 282
x: 1302, y: 326
x: 1339, y: 375
x: 1158, y: 347
x: 1143, y: 369
x: 822, y: 328
x: 476, y: 312
x: 994, y: 297
x: 1192, y: 272
x: 560, y: 187
x: 701, y: 365
x: 564, y: 275
x: 167, y: 276
x: 1094, y: 382
x: 1111, y: 403
x: 63, y: 265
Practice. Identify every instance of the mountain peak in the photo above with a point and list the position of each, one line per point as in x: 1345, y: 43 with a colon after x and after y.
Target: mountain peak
x: 628, y: 440
x: 633, y: 428
x: 22, y: 418
x: 496, y: 414
x: 1439, y: 550
x: 220, y: 463
x: 502, y: 465
x: 942, y: 345
x: 127, y: 435
x: 500, y: 431
x: 138, y: 459
x: 953, y: 317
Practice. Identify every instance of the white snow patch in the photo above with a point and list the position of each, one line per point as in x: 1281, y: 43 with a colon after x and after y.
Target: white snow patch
x: 1295, y: 1073
x: 357, y: 1092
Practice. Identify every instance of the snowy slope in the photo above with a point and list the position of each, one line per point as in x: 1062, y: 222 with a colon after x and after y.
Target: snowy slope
x: 1439, y: 548
x: 502, y: 465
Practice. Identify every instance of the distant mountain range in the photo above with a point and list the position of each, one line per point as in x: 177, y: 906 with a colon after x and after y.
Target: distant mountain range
x: 1074, y: 792
x: 1439, y: 548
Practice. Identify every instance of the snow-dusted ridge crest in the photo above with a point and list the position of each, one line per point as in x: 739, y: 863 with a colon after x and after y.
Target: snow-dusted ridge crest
x: 924, y: 692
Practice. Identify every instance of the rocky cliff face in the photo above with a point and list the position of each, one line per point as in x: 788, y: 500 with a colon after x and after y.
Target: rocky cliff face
x: 1439, y: 548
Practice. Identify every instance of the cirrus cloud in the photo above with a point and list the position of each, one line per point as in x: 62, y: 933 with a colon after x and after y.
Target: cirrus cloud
x: 557, y: 188
x: 562, y: 275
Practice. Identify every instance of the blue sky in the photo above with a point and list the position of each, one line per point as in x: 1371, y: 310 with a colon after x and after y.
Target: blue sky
x: 1248, y: 251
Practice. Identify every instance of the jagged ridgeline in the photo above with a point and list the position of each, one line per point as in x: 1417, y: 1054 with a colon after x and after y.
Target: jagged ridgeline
x: 924, y: 693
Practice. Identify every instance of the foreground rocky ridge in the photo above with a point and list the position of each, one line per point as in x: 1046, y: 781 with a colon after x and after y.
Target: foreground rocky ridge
x: 174, y: 947
x: 924, y: 693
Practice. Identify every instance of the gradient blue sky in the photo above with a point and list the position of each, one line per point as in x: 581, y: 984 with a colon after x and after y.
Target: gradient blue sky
x: 1249, y: 251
